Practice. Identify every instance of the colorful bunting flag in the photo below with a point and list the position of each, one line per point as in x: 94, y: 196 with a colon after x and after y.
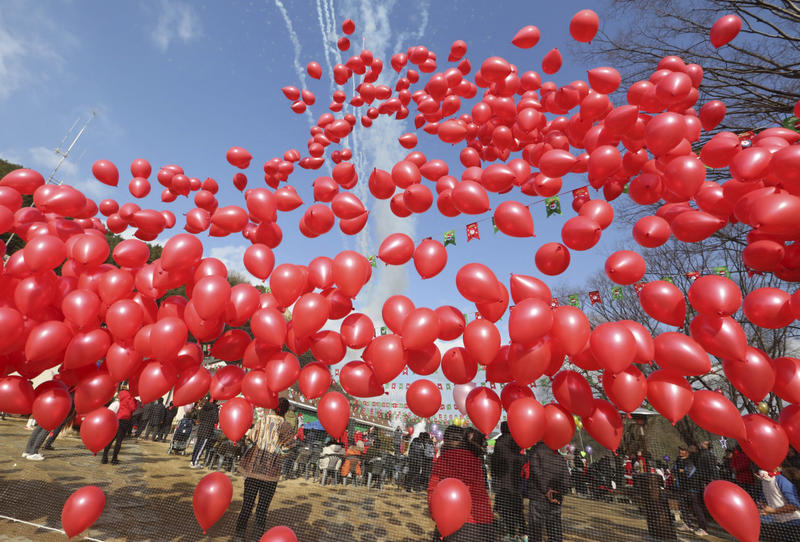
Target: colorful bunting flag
x: 384, y: 330
x: 668, y: 279
x: 373, y: 261
x: 574, y: 300
x: 494, y: 226
x: 554, y: 303
x: 450, y: 237
x: 594, y: 297
x: 616, y: 293
x: 693, y: 275
x: 582, y: 192
x: 472, y: 232
x: 477, y: 316
x: 553, y: 205
x: 466, y: 318
x: 722, y: 270
x: 638, y: 286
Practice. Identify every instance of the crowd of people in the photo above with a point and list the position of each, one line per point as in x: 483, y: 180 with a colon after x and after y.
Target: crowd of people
x: 276, y: 448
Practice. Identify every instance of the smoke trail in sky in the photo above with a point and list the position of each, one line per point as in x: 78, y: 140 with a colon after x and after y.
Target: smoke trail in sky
x: 298, y: 68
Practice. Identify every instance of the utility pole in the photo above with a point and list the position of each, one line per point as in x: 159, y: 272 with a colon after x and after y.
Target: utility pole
x: 65, y: 153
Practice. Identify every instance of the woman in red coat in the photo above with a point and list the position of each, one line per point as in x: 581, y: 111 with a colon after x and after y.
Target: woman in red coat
x: 461, y: 459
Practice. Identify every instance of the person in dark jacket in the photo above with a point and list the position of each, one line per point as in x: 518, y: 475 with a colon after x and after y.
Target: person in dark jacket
x: 207, y: 418
x: 127, y: 404
x: 144, y: 422
x: 166, y: 425
x: 547, y: 484
x: 506, y: 465
x: 416, y: 462
x: 689, y: 494
x: 462, y: 458
x: 157, y: 417
x: 397, y: 441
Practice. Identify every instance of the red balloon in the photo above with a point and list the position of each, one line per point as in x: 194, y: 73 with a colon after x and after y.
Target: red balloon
x: 768, y: 308
x: 530, y: 320
x: 424, y: 361
x: 580, y: 233
x: 47, y: 341
x: 351, y: 271
x: 51, y: 405
x: 395, y: 311
x: 226, y: 382
x: 170, y: 335
x: 494, y: 311
x: 573, y: 393
x: 212, y: 496
x: 513, y: 391
x: 664, y: 132
x: 309, y: 314
x: 387, y: 357
x: 280, y: 533
x: 766, y: 444
x: 430, y: 257
x: 720, y: 336
x: 626, y: 389
x: 259, y: 260
x: 286, y: 283
x: 527, y: 37
x: 420, y: 328
x: 787, y: 379
x: 269, y: 327
x: 423, y: 398
x: 396, y: 249
x: 93, y: 392
x: 733, y: 509
x: 320, y: 272
x: 529, y: 362
x: 314, y: 380
x: 723, y: 31
x: 524, y: 286
x: 357, y: 330
x: 663, y: 301
x: 625, y: 267
x: 122, y: 361
x: 235, y: 417
x: 514, y: 219
x: 526, y: 421
x: 192, y: 385
x: 282, y: 371
x: 583, y: 25
x: 613, y: 346
x: 82, y: 509
x: 358, y: 379
x: 551, y: 62
x: 669, y: 394
x: 477, y: 283
x: 570, y: 329
x: 334, y: 413
x: 44, y: 252
x: 458, y: 366
x: 711, y: 114
x: 681, y: 354
x: 790, y: 421
x: 155, y: 380
x: 105, y: 172
x: 451, y: 322
x: 715, y: 413
x: 753, y: 375
x: 604, y: 424
x: 182, y: 251
x: 482, y: 341
x: 99, y: 428
x: 238, y: 157
x: 450, y: 505
x: 484, y: 408
x: 559, y: 426
x: 552, y: 258
x: 210, y: 295
x: 651, y: 231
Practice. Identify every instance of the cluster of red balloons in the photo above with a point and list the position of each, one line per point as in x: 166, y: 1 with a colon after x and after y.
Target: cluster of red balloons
x: 67, y: 307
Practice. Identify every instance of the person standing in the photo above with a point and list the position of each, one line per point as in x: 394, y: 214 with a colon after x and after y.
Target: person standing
x: 687, y: 481
x: 207, y: 417
x: 547, y: 484
x: 147, y: 413
x: 461, y: 458
x: 272, y: 437
x: 127, y: 405
x: 416, y: 461
x: 166, y: 425
x: 740, y: 466
x: 157, y: 417
x: 397, y: 441
x: 506, y: 466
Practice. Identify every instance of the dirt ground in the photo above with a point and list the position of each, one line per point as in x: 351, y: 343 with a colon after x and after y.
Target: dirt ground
x: 149, y: 498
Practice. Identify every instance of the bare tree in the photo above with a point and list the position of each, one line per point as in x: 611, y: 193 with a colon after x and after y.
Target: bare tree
x: 757, y: 75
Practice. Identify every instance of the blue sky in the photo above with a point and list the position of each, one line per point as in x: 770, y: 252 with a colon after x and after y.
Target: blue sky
x: 180, y: 82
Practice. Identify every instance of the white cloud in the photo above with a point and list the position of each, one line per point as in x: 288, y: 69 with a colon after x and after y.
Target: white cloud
x: 27, y: 54
x: 176, y: 20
